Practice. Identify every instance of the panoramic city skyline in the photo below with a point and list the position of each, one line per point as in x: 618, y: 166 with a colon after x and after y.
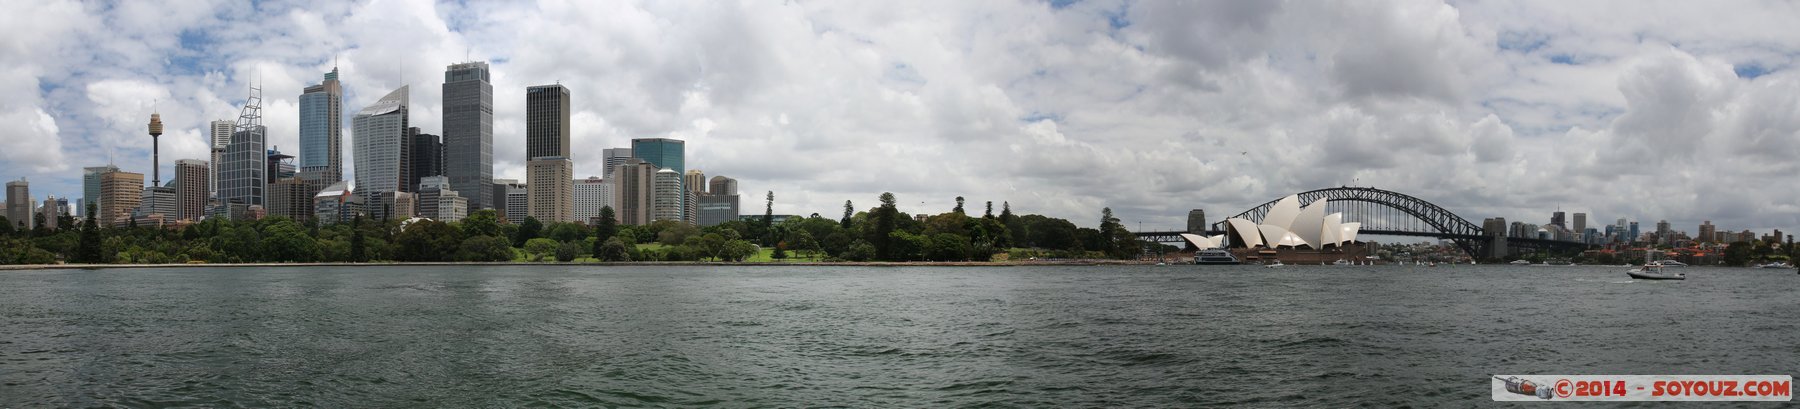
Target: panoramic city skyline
x: 1646, y: 111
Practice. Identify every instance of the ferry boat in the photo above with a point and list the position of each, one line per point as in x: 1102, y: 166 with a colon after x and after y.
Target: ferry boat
x: 1653, y: 271
x: 1214, y: 256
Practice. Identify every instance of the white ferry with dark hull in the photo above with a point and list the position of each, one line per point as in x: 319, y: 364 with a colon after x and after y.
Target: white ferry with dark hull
x: 1215, y: 257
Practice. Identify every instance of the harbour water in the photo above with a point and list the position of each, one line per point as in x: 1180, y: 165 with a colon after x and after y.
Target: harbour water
x: 1118, y: 336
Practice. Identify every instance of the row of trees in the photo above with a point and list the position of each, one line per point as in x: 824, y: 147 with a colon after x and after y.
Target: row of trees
x: 881, y: 233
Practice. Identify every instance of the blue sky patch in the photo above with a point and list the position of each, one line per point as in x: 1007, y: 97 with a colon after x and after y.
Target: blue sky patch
x: 1750, y: 70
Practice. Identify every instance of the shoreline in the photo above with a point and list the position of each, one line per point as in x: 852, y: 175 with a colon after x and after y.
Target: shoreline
x: 30, y: 267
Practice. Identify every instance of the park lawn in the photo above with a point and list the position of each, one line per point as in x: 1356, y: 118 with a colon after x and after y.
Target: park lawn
x: 767, y: 255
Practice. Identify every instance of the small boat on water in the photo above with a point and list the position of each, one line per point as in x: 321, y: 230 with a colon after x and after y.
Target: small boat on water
x: 1273, y: 264
x: 1671, y: 263
x: 1341, y: 262
x: 1653, y: 270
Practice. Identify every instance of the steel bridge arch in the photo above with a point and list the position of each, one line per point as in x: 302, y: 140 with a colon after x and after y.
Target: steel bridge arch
x: 1466, y: 234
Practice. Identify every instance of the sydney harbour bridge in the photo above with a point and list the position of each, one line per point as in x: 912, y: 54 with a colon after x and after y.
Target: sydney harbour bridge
x: 1389, y: 213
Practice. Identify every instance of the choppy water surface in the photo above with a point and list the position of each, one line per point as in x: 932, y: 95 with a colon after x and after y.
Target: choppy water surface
x: 907, y: 337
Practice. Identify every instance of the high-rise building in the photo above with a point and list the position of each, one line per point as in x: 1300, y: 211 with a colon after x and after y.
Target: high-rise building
x: 667, y: 197
x: 723, y: 186
x: 591, y: 194
x: 469, y: 132
x: 18, y: 204
x: 611, y: 158
x: 120, y: 194
x: 1707, y: 232
x: 281, y: 166
x: 292, y: 198
x: 690, y: 213
x: 548, y: 169
x: 1663, y: 229
x: 90, y: 184
x: 517, y: 204
x: 1196, y: 223
x: 241, y: 178
x: 431, y: 188
x: 322, y: 131
x: 665, y: 153
x: 156, y: 207
x: 428, y: 156
x: 52, y: 210
x: 499, y: 191
x: 550, y: 193
x: 381, y: 150
x: 221, y: 138
x: 1557, y: 219
x: 1635, y: 235
x: 1580, y: 222
x: 633, y: 191
x: 694, y: 180
x: 717, y: 208
x: 190, y: 188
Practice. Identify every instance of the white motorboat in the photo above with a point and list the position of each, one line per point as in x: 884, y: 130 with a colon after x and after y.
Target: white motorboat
x: 1341, y: 262
x: 1654, y: 271
x: 1671, y: 263
x: 1273, y: 264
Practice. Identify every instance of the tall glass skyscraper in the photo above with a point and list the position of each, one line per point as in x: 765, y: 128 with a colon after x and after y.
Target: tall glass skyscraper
x: 322, y: 131
x: 469, y: 132
x: 382, y: 147
x: 549, y: 172
x: 665, y: 153
x: 241, y: 176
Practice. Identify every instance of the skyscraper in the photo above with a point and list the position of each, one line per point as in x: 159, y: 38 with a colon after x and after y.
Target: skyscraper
x: 1557, y: 219
x: 469, y: 132
x: 90, y: 184
x: 633, y: 188
x: 241, y: 177
x: 1634, y: 233
x: 1580, y: 222
x: 379, y: 134
x: 549, y: 171
x: 221, y: 138
x: 1707, y: 232
x: 52, y: 210
x: 612, y: 158
x: 428, y: 156
x: 664, y: 153
x: 120, y: 194
x: 723, y: 186
x: 668, y: 196
x: 591, y: 194
x: 190, y: 188
x: 18, y: 204
x: 322, y: 131
x: 694, y: 180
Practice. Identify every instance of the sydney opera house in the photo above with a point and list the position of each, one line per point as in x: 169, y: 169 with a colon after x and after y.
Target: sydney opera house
x: 1289, y: 232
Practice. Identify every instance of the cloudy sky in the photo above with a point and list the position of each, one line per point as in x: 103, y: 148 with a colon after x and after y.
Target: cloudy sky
x: 1645, y: 110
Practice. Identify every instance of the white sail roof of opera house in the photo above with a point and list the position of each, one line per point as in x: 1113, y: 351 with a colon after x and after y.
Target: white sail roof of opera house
x: 1287, y: 224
